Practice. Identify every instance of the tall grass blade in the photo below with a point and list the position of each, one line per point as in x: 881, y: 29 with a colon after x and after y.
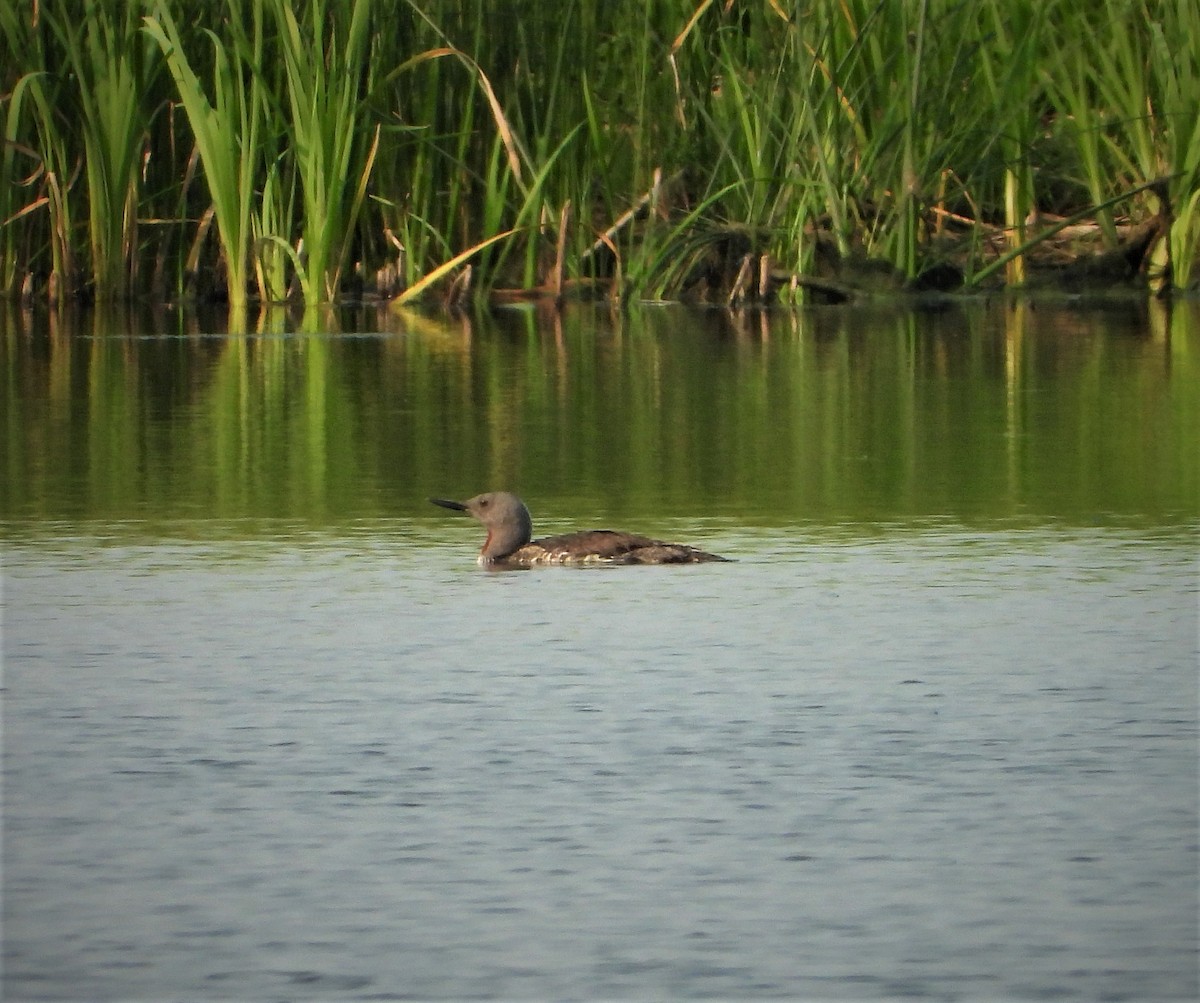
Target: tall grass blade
x: 434, y: 275
x: 112, y: 69
x: 227, y: 128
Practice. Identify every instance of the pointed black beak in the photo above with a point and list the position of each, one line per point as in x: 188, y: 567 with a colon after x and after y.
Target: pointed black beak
x: 447, y: 503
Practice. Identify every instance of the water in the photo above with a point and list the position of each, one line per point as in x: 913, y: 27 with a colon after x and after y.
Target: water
x: 923, y: 743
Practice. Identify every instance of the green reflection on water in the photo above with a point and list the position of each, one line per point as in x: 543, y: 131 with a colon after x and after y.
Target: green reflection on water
x: 975, y: 412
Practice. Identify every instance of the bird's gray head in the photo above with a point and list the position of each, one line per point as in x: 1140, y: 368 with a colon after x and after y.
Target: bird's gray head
x: 503, y: 514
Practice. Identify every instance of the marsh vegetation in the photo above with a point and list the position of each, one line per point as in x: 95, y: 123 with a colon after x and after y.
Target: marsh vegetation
x: 318, y: 150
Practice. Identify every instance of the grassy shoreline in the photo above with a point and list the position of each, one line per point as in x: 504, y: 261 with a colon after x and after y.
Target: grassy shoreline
x: 320, y: 151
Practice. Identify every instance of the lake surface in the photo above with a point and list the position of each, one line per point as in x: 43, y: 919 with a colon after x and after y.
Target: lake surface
x: 269, y: 733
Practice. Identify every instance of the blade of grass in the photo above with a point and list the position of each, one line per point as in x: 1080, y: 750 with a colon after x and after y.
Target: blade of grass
x: 418, y: 288
x: 1088, y: 213
x: 227, y: 129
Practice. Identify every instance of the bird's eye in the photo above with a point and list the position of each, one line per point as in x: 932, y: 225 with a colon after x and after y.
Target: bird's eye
x: 485, y: 503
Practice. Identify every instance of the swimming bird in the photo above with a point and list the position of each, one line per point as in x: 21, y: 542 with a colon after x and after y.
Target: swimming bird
x: 509, y: 542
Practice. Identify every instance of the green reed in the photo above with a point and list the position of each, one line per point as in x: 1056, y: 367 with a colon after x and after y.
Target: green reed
x: 1009, y: 67
x: 326, y: 74
x: 38, y: 112
x: 110, y: 61
x: 654, y: 149
x: 84, y: 83
x: 228, y: 127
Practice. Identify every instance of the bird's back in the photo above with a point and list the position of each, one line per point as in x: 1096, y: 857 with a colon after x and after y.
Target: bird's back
x: 606, y: 546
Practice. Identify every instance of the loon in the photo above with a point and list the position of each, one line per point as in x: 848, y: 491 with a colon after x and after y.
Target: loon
x: 509, y: 542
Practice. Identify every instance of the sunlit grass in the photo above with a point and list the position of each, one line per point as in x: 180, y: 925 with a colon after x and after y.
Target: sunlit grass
x: 229, y: 127
x: 355, y: 148
x: 326, y: 73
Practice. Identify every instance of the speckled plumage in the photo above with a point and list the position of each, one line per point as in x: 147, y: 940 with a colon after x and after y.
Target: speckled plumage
x: 509, y: 543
